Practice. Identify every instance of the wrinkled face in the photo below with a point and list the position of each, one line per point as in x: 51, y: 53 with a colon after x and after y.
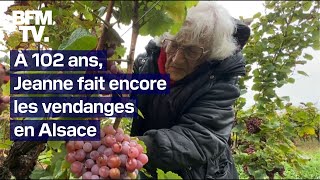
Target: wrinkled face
x: 182, y: 58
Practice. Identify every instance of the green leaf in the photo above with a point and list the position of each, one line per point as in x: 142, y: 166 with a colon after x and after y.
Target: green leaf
x: 285, y: 98
x: 5, y: 145
x: 126, y: 12
x: 6, y: 89
x: 38, y: 173
x: 301, y: 62
x: 80, y: 39
x: 55, y: 144
x: 57, y: 169
x: 168, y: 175
x: 259, y: 174
x: 190, y: 4
x: 176, y: 10
x: 140, y: 113
x: 308, y: 56
x: 152, y: 26
x: 303, y: 73
x: 257, y: 15
x: 291, y: 80
x: 307, y: 5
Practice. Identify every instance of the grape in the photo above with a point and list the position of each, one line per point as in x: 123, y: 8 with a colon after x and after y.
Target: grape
x: 125, y: 148
x: 131, y: 164
x: 143, y: 158
x: 133, y: 143
x: 120, y: 131
x: 114, y: 161
x: 126, y: 137
x: 114, y: 173
x: 76, y: 167
x: 110, y: 140
x: 101, y: 149
x: 114, y: 156
x: 70, y: 146
x: 80, y: 155
x: 110, y: 52
x: 102, y: 160
x: 102, y: 133
x: 95, y: 144
x: 95, y: 169
x: 5, y: 99
x: 108, y: 152
x: 133, y: 152
x: 117, y: 147
x: 253, y: 125
x: 123, y: 159
x: 114, y: 69
x: 95, y: 177
x: 104, y: 171
x: 78, y: 144
x: 119, y: 137
x: 140, y: 148
x: 88, y: 156
x: 87, y: 175
x: 94, y: 155
x: 87, y: 147
x: 132, y: 175
x: 89, y: 163
x: 139, y: 165
x: 109, y: 130
x: 70, y: 157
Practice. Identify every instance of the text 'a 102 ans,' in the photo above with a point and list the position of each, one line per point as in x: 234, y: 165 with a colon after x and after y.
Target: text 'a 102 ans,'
x: 89, y: 84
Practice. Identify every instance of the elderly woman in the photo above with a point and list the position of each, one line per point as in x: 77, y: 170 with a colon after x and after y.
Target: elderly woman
x: 187, y: 130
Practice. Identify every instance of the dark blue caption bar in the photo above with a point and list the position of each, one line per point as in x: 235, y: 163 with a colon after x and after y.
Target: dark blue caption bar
x: 89, y: 83
x: 85, y: 107
x: 54, y: 130
x: 58, y: 60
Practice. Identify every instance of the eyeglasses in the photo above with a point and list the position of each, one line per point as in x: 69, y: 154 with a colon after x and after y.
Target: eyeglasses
x: 191, y: 52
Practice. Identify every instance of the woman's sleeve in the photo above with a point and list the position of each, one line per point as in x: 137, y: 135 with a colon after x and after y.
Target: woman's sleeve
x: 201, y: 134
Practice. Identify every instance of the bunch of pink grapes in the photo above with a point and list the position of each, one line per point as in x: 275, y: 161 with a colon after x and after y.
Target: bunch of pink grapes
x: 116, y: 156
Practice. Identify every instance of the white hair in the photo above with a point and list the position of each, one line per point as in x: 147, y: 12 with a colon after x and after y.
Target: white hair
x: 211, y: 25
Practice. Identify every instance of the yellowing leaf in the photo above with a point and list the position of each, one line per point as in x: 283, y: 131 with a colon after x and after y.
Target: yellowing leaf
x: 309, y: 130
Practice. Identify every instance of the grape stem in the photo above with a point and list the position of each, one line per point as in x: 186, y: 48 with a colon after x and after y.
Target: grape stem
x: 103, y: 38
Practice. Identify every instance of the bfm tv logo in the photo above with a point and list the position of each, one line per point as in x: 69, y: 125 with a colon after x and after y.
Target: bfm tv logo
x: 40, y: 18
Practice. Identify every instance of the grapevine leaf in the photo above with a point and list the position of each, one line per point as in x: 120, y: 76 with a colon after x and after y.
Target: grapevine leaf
x: 257, y: 15
x: 80, y: 39
x: 167, y: 175
x: 57, y: 169
x: 6, y: 89
x: 291, y: 80
x: 152, y: 25
x: 190, y: 4
x: 285, y: 98
x: 308, y: 56
x: 176, y: 10
x: 303, y: 73
x: 55, y: 144
x: 39, y: 173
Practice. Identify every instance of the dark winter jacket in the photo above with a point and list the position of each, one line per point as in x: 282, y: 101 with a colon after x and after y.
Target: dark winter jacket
x: 187, y: 130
